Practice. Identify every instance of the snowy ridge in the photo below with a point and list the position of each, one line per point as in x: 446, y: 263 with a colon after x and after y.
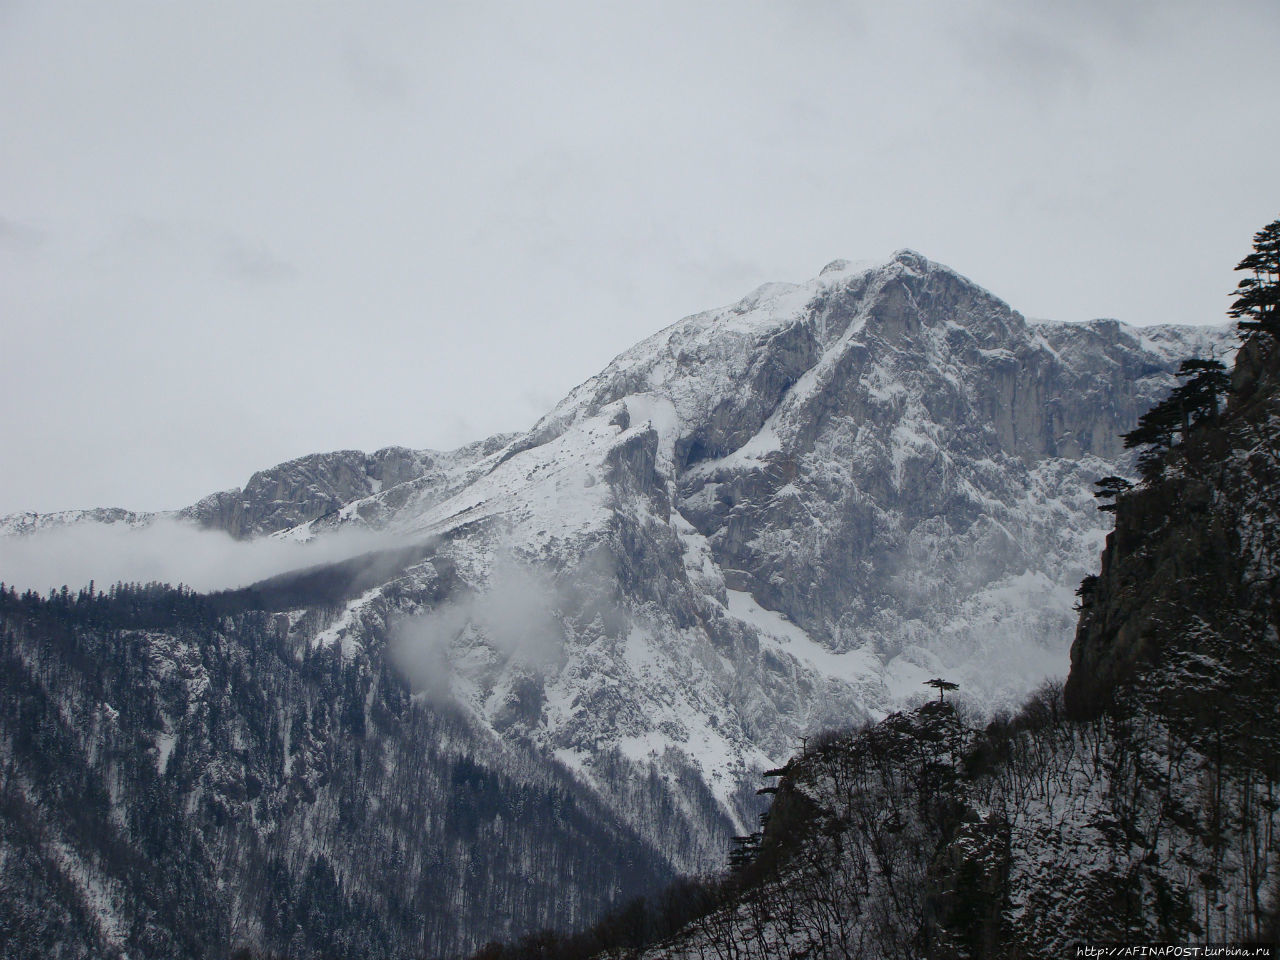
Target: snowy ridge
x: 703, y: 485
x: 766, y: 519
x: 29, y: 523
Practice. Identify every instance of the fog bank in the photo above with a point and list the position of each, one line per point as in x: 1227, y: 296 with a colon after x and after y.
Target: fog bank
x: 172, y: 551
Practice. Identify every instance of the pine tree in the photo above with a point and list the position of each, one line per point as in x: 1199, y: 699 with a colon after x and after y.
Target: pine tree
x: 1191, y: 402
x: 1205, y: 382
x: 1257, y: 303
x: 1109, y: 488
x: 942, y: 686
x: 1155, y: 431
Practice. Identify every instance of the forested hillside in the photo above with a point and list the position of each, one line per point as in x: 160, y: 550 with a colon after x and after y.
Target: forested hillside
x: 180, y: 776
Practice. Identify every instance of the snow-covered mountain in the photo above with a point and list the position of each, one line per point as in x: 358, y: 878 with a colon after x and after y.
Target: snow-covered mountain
x: 1135, y: 804
x: 786, y: 514
x: 766, y: 519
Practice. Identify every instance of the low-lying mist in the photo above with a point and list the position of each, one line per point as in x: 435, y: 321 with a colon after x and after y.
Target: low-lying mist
x: 521, y: 613
x: 172, y: 551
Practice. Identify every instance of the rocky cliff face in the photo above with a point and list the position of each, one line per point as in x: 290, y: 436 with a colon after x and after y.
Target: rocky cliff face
x: 313, y: 487
x: 305, y: 489
x: 298, y: 491
x: 1140, y: 809
x: 1188, y: 588
x: 769, y: 518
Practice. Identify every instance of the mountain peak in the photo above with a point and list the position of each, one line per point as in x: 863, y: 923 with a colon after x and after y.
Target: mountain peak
x: 904, y: 261
x: 911, y: 259
x: 840, y: 268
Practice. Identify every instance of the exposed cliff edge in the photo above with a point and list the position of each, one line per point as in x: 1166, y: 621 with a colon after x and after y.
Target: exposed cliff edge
x: 1188, y: 597
x: 1143, y: 807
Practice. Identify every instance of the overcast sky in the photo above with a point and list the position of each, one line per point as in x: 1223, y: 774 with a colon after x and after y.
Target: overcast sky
x: 236, y: 232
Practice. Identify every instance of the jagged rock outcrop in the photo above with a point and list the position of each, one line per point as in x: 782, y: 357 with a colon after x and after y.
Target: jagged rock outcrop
x: 299, y: 491
x: 317, y: 486
x: 25, y: 524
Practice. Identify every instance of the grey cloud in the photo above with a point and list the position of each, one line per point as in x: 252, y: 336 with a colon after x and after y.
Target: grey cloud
x: 1026, y: 58
x: 21, y: 237
x: 167, y: 550
x: 521, y: 613
x: 204, y: 246
x: 374, y: 78
x: 447, y: 211
x: 254, y: 264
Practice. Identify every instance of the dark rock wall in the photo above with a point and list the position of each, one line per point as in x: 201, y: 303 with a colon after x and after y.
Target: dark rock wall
x: 1190, y: 584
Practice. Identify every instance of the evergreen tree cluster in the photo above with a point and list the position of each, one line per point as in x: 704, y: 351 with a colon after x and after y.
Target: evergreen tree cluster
x: 1193, y: 403
x: 1197, y: 401
x: 1257, y: 303
x: 194, y: 771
